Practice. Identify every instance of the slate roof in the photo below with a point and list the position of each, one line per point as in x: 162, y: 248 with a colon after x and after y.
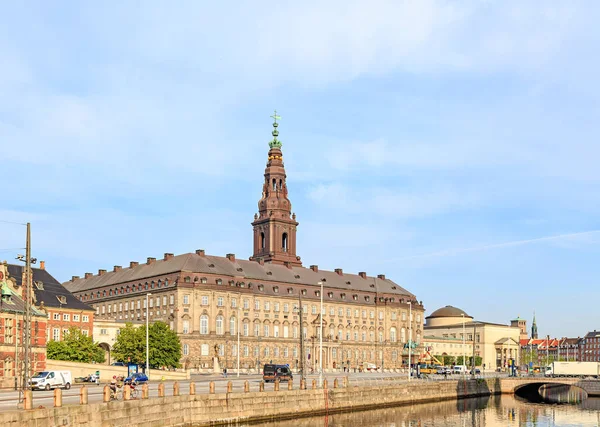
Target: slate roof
x: 593, y: 334
x: 51, y: 289
x: 248, y: 270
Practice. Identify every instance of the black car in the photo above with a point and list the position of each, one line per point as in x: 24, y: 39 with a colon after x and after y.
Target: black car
x: 277, y: 372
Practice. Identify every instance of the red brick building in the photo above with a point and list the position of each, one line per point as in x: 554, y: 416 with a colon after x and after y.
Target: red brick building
x: 590, y: 347
x: 12, y: 310
x: 64, y: 310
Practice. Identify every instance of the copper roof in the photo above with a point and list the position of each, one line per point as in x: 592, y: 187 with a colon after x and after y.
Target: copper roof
x: 248, y: 270
x: 448, y: 311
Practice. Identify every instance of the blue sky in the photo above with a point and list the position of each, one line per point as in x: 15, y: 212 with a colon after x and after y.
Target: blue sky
x: 438, y: 142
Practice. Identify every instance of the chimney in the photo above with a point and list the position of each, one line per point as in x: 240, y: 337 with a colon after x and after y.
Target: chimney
x: 117, y: 268
x: 150, y: 260
x: 168, y: 256
x: 88, y: 275
x: 362, y: 274
x: 133, y: 264
x: 200, y: 252
x: 101, y: 272
x: 230, y: 257
x: 381, y: 276
x: 314, y: 268
x: 73, y: 278
x: 339, y: 271
x: 42, y: 265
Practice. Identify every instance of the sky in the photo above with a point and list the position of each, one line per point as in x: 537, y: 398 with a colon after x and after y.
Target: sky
x: 446, y: 144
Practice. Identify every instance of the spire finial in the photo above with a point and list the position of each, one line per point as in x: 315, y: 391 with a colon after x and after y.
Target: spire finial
x: 275, y: 143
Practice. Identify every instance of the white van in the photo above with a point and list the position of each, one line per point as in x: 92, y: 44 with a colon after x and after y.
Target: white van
x: 459, y: 369
x: 48, y: 380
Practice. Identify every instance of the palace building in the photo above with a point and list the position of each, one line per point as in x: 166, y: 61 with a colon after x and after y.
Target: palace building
x: 211, y: 300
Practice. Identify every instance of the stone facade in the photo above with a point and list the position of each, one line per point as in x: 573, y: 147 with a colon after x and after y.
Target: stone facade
x: 208, y: 300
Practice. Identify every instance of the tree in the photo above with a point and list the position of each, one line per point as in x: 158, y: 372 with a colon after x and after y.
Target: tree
x: 75, y: 347
x: 165, y: 348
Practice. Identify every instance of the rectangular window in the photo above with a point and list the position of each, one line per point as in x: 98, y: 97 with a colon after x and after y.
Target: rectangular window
x: 276, y: 306
x: 286, y: 308
x: 233, y: 302
x: 267, y: 305
x: 85, y: 318
x: 84, y: 332
x: 381, y: 315
x: 256, y: 329
x: 56, y: 334
x: 171, y: 299
x: 219, y: 301
x: 186, y: 299
x: 295, y: 332
x: 126, y: 305
x: 204, y: 350
x: 245, y: 329
x: 204, y: 300
x: 103, y: 311
x: 348, y: 312
x: 276, y: 331
x: 285, y: 352
x: 246, y: 352
x: 56, y: 316
x: 103, y: 331
x: 186, y: 349
x: 276, y: 352
x: 286, y: 331
x: 295, y: 352
x: 256, y: 304
x: 393, y: 315
x: 341, y: 312
x: 266, y: 330
x: 246, y: 304
x: 164, y: 300
x: 66, y: 317
x: 186, y: 326
x: 332, y: 311
x: 109, y: 308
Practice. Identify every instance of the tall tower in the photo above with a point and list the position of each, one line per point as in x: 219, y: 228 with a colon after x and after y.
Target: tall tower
x: 275, y: 225
x: 534, y: 331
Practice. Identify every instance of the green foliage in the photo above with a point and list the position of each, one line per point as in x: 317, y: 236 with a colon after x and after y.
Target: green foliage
x: 165, y: 348
x: 447, y: 360
x: 75, y: 347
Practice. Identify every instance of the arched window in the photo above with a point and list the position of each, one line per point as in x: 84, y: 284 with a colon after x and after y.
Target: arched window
x: 262, y: 240
x: 219, y: 325
x: 284, y: 242
x: 281, y: 184
x: 402, y: 335
x: 393, y: 337
x: 274, y: 184
x: 232, y: 325
x: 204, y: 324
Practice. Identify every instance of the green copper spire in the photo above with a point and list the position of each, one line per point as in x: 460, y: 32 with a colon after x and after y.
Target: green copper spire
x: 275, y: 143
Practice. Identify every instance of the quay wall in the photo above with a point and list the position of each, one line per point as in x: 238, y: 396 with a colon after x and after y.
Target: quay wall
x: 79, y: 369
x: 230, y: 408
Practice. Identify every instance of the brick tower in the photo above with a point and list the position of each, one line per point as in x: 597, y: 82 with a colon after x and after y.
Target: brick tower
x: 275, y: 225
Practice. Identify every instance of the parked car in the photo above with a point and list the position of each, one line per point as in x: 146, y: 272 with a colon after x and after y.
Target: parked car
x: 117, y: 364
x: 371, y: 367
x: 459, y: 369
x: 444, y: 370
x: 477, y: 371
x: 139, y: 377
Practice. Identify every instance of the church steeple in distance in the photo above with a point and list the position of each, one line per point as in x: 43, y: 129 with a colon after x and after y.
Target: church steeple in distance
x: 534, y: 331
x: 275, y: 225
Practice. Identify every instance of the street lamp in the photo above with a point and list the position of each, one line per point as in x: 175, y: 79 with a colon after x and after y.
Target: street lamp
x: 463, y: 337
x: 238, y: 340
x: 147, y: 341
x: 409, y: 335
x: 321, y: 339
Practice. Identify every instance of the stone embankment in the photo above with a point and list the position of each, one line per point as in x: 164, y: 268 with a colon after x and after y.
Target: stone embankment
x: 212, y: 409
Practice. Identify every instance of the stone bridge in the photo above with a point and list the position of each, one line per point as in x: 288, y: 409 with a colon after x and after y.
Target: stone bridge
x: 512, y: 385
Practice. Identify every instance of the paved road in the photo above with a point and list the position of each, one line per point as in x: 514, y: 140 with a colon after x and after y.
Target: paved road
x: 9, y: 399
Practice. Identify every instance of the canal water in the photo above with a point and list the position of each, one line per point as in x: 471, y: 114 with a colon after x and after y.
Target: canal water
x: 490, y: 411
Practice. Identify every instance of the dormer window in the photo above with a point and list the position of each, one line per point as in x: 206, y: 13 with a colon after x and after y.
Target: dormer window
x: 203, y: 280
x: 241, y: 284
x: 355, y: 297
x: 231, y: 283
x: 211, y: 265
x: 290, y: 291
x: 343, y: 296
x: 372, y: 285
x: 39, y: 285
x: 303, y: 291
x: 276, y: 289
x: 330, y: 294
x: 318, y: 293
x: 219, y: 282
x: 269, y: 273
x: 393, y: 288
x: 297, y: 276
x: 348, y: 283
x: 240, y: 269
x: 261, y: 287
x: 186, y: 279
x: 367, y: 299
x: 62, y: 299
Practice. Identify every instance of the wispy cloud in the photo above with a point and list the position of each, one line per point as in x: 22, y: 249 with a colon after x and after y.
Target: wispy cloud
x: 458, y: 251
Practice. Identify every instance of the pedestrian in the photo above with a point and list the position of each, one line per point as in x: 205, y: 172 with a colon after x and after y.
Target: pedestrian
x: 224, y: 372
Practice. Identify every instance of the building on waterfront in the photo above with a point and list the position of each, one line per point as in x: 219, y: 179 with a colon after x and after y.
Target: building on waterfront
x: 12, y: 311
x: 569, y: 349
x: 445, y: 346
x: 64, y: 310
x: 590, y: 347
x: 495, y: 343
x: 208, y: 299
x: 522, y: 325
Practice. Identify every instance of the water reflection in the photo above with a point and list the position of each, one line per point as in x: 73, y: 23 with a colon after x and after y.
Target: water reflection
x: 491, y: 411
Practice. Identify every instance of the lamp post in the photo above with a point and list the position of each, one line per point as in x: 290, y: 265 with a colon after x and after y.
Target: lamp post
x: 321, y: 340
x: 463, y: 337
x: 147, y: 340
x: 238, y: 341
x: 409, y: 335
x: 301, y: 336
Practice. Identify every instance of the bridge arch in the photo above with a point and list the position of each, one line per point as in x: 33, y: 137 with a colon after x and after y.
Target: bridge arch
x: 550, y: 392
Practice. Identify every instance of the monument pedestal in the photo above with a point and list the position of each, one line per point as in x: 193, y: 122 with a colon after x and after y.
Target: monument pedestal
x: 216, y: 367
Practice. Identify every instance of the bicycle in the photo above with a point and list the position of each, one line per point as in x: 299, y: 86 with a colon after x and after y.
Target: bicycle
x: 134, y: 393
